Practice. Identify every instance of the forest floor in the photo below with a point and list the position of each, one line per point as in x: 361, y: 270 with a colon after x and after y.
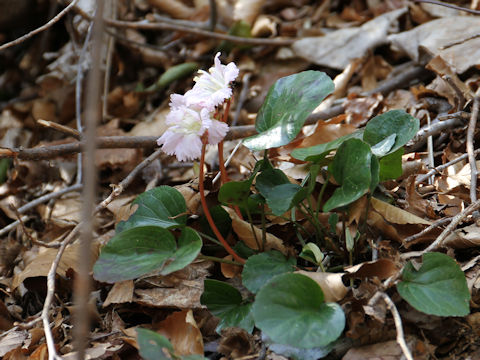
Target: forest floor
x: 382, y: 55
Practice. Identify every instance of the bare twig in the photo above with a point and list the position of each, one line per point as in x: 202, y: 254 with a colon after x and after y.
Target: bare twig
x: 399, y: 81
x: 82, y: 284
x: 61, y: 128
x: 242, y: 98
x: 212, y: 21
x: 470, y: 149
x: 439, y: 168
x: 112, y: 5
x: 143, y: 25
x: 396, y: 318
x: 434, y: 129
x: 41, y: 28
x: 436, y: 224
x: 456, y: 7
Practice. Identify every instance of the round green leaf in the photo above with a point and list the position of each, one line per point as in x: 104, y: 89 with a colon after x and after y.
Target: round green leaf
x: 153, y: 346
x: 235, y: 192
x: 287, y: 105
x: 318, y: 152
x: 224, y: 301
x: 160, y: 206
x: 280, y: 194
x: 259, y: 269
x: 437, y: 288
x: 391, y: 165
x: 133, y: 253
x: 394, y: 122
x: 189, y: 246
x: 351, y: 168
x: 291, y: 310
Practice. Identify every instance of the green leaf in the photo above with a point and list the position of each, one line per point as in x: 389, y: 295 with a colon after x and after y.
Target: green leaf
x: 280, y: 194
x: 287, y: 105
x: 438, y: 288
x: 160, y: 206
x: 351, y: 168
x: 384, y: 146
x: 239, y: 28
x: 224, y: 301
x: 259, y: 269
x: 235, y: 192
x: 349, y: 240
x: 140, y: 250
x: 391, y: 165
x: 173, y: 73
x: 220, y: 218
x: 394, y: 122
x: 291, y: 310
x: 189, y: 246
x: 318, y: 152
x: 311, y: 252
x: 153, y: 346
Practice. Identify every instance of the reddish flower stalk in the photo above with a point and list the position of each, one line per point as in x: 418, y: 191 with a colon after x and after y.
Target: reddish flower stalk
x: 201, y: 190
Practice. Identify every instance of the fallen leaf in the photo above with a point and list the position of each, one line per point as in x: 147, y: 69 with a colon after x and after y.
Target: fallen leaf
x: 382, y: 268
x: 12, y: 340
x: 331, y: 284
x: 121, y: 292
x: 338, y: 48
x: 183, y: 332
x: 243, y: 229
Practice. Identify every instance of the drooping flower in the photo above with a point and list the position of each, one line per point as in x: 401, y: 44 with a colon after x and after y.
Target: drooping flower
x: 191, y: 114
x: 212, y: 88
x: 183, y: 137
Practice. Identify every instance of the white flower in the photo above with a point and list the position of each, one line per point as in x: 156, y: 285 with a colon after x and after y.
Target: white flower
x: 212, y: 88
x: 183, y: 137
x: 216, y: 132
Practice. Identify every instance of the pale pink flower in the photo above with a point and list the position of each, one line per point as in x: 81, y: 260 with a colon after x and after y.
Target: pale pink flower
x: 183, y: 137
x: 212, y: 88
x: 216, y: 132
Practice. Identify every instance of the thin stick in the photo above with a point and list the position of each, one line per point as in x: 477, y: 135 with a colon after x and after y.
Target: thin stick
x: 396, y: 318
x: 432, y: 130
x: 214, y: 228
x: 439, y: 168
x: 457, y: 219
x: 436, y: 224
x: 82, y: 283
x: 61, y: 128
x: 190, y: 30
x: 41, y: 28
x: 470, y: 149
x: 108, y: 64
x: 476, y: 12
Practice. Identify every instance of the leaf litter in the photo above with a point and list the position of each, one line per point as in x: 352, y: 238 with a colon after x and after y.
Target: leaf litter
x: 369, y: 48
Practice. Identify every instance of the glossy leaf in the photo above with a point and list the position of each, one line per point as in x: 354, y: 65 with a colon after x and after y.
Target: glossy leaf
x: 224, y: 301
x: 311, y: 252
x: 259, y: 269
x: 189, y: 246
x: 291, y: 310
x: 280, y: 194
x: 392, y: 123
x: 235, y: 192
x: 318, y: 152
x: 391, y: 165
x: 438, y: 288
x: 140, y: 250
x: 351, y: 168
x: 287, y: 105
x: 160, y: 206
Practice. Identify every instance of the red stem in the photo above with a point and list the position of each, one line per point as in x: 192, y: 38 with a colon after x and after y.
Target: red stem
x: 207, y: 212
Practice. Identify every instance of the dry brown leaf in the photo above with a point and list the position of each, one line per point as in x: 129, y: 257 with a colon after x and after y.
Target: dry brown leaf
x: 389, y: 350
x: 174, y: 8
x: 416, y: 204
x: 466, y: 237
x: 40, y: 265
x: 396, y: 215
x: 236, y: 343
x: 12, y: 340
x: 122, y: 208
x: 338, y: 48
x: 434, y: 35
x: 382, y: 268
x: 243, y: 230
x: 230, y: 270
x: 121, y: 292
x: 97, y: 351
x: 184, y: 296
x: 331, y: 284
x: 183, y: 332
x: 247, y: 10
x: 191, y: 196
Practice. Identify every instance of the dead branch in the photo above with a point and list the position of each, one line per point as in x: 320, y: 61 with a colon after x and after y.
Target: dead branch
x: 41, y: 28
x: 470, y: 149
x: 142, y: 25
x: 396, y: 318
x: 452, y: 6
